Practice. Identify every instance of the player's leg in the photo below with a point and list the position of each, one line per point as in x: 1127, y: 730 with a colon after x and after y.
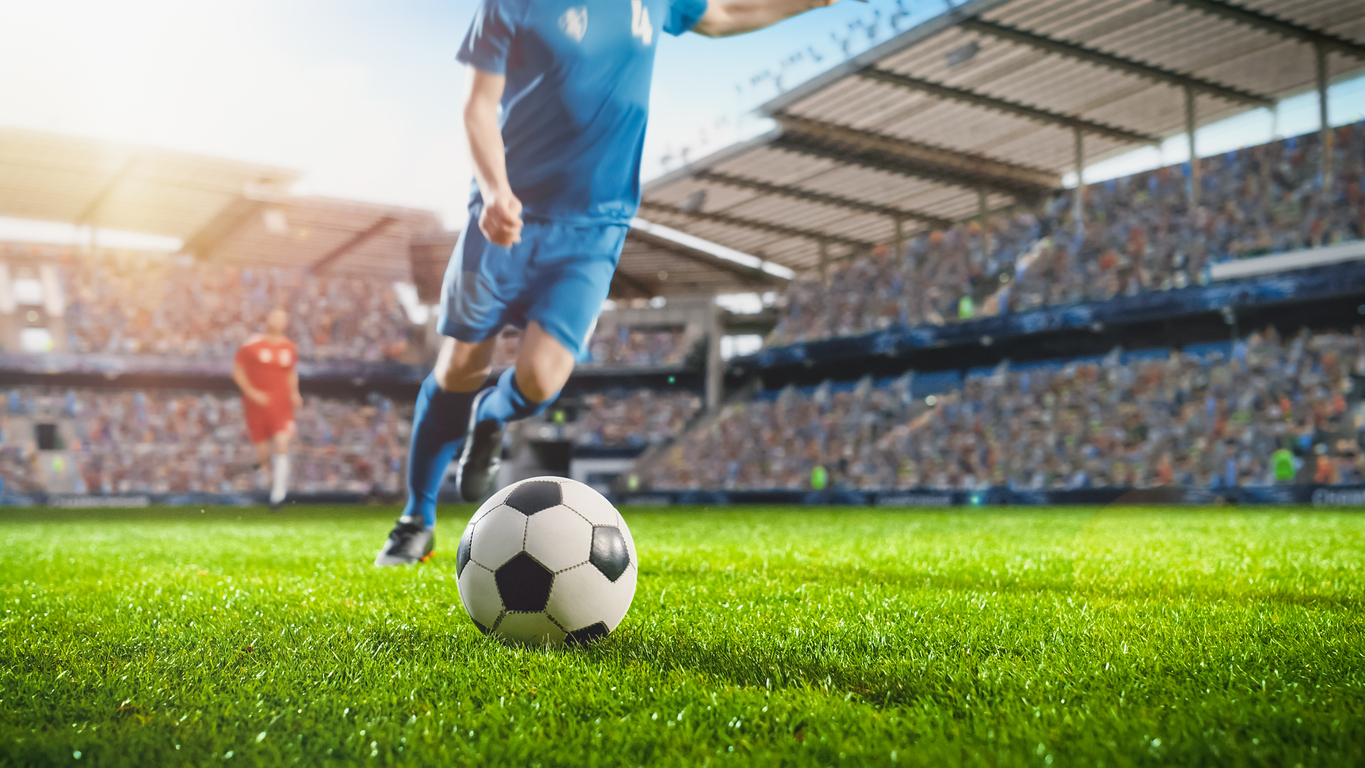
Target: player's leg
x: 472, y: 310
x: 522, y: 391
x: 440, y: 419
x: 279, y: 465
x: 570, y: 284
x: 262, y: 448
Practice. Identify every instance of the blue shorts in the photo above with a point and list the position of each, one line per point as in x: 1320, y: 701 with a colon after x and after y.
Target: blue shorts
x: 558, y: 276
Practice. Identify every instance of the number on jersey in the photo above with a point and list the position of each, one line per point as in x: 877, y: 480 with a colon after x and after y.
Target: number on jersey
x: 639, y: 22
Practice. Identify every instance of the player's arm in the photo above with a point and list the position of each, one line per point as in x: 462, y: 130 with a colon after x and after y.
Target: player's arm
x: 249, y: 392
x: 500, y: 220
x: 735, y: 17
x: 294, y: 388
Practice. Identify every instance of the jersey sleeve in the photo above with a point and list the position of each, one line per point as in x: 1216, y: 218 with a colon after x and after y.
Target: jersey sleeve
x: 683, y: 15
x: 489, y: 41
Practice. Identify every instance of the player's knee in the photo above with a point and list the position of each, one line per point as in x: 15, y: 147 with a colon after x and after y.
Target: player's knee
x: 454, y: 375
x: 463, y: 367
x: 541, y: 378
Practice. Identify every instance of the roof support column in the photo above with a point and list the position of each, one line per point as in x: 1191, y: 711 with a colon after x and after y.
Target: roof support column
x: 1078, y: 198
x: 1325, y: 131
x: 899, y: 243
x: 1190, y: 125
x: 715, y: 366
x: 824, y: 262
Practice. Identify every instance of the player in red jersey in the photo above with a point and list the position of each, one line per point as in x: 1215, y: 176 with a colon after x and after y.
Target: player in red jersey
x: 265, y: 370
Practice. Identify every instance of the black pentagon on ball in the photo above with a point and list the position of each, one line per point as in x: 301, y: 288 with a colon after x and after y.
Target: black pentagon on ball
x: 482, y: 628
x: 588, y: 634
x: 524, y: 584
x: 609, y: 553
x: 462, y: 553
x: 530, y: 498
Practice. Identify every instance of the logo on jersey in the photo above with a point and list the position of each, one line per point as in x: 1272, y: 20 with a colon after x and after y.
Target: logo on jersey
x: 574, y: 22
x: 639, y: 22
x: 266, y: 356
x: 285, y: 357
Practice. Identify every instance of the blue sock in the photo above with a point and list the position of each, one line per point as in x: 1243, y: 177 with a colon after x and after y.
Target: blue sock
x: 439, y: 422
x: 507, y: 403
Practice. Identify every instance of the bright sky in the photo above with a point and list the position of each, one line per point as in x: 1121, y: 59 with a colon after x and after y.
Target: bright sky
x: 363, y: 95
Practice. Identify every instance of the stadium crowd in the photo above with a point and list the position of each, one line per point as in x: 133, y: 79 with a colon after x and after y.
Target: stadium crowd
x: 1138, y: 233
x: 1181, y: 419
x: 132, y: 302
x: 626, y: 347
x: 128, y: 302
x: 633, y: 418
x: 157, y: 441
x: 154, y: 441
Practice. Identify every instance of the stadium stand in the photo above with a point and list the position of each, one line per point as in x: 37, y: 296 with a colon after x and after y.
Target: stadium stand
x: 129, y: 302
x: 626, y: 348
x: 1206, y: 416
x: 159, y: 441
x: 176, y: 442
x: 1139, y: 233
x: 640, y: 417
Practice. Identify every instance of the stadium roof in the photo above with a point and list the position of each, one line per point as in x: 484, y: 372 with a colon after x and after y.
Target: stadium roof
x: 243, y: 213
x: 219, y: 209
x: 981, y: 108
x: 657, y: 262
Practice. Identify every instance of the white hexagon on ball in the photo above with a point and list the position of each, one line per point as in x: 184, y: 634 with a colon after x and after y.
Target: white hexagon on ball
x: 479, y: 594
x: 554, y: 558
x: 496, y: 536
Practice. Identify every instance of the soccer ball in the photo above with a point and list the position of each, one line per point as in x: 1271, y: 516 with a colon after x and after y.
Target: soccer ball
x: 546, y: 561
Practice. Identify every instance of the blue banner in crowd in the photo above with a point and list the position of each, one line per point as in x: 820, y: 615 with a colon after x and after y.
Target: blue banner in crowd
x: 1337, y: 280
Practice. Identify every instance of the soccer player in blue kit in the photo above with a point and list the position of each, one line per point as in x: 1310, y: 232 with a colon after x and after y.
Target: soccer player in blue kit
x: 555, y: 111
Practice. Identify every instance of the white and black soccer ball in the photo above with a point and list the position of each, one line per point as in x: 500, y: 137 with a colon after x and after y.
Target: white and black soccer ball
x: 547, y: 561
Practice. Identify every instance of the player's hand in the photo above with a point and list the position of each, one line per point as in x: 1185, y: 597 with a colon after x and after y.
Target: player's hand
x: 500, y: 220
x: 259, y: 398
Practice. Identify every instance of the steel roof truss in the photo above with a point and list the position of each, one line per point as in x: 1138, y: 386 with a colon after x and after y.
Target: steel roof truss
x: 747, y: 275
x: 1276, y: 25
x: 357, y: 240
x: 910, y: 158
x: 757, y: 225
x: 836, y: 201
x: 1006, y: 106
x: 1116, y: 62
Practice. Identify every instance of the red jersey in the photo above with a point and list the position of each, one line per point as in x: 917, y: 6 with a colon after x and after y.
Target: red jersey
x: 268, y: 365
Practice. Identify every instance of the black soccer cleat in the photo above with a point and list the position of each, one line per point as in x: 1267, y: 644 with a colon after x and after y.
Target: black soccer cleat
x: 276, y: 506
x: 476, y: 469
x: 408, y: 544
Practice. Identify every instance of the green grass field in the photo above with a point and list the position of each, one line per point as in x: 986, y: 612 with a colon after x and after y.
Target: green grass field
x: 757, y: 637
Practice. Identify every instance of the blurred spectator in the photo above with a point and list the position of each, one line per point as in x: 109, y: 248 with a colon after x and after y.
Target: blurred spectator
x: 1202, y: 420
x: 642, y: 417
x: 1139, y: 234
x: 131, y: 302
x: 160, y: 441
x: 156, y: 441
x: 627, y: 347
x: 616, y: 419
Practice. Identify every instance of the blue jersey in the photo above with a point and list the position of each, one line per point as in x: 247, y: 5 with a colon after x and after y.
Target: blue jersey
x: 577, y: 98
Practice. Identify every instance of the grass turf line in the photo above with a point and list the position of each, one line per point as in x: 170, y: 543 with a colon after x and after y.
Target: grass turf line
x: 757, y: 637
